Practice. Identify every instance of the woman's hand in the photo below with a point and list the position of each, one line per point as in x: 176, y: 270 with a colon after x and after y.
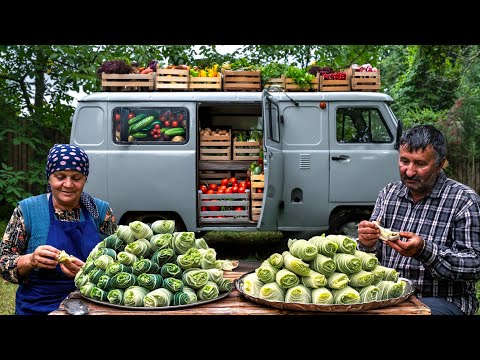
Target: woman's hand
x: 44, y: 257
x: 71, y: 266
x: 368, y: 233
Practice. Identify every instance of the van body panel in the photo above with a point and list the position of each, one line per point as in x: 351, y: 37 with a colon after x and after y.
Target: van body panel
x: 304, y: 140
x: 312, y: 162
x: 358, y: 171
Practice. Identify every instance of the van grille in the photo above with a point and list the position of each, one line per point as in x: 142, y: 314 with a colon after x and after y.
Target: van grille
x: 305, y: 161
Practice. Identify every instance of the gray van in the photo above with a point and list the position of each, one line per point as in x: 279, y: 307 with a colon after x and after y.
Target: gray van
x: 324, y: 157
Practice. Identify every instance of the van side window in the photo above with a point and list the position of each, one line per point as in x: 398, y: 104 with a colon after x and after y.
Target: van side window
x: 361, y: 125
x: 150, y: 125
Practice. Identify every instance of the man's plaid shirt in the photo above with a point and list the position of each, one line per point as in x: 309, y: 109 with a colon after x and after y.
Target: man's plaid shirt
x: 448, y: 219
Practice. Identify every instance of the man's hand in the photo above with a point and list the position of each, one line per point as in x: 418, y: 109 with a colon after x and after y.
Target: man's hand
x: 412, y: 247
x: 368, y: 233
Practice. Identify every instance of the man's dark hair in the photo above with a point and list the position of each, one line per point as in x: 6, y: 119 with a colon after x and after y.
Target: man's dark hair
x: 422, y: 136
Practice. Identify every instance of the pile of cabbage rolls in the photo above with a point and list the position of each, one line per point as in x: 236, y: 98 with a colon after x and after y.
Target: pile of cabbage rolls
x: 144, y: 265
x: 323, y: 270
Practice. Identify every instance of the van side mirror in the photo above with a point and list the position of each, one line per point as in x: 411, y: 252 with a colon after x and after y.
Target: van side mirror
x: 398, y: 135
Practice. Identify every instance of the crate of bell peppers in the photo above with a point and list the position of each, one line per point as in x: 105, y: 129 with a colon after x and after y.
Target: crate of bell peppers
x: 205, y: 79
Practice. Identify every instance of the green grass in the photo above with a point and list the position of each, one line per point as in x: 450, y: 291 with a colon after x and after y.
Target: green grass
x: 7, y: 290
x: 7, y: 297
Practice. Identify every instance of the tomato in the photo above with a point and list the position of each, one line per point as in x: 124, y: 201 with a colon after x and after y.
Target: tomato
x: 248, y: 184
x: 229, y: 190
x: 203, y: 188
x: 156, y: 126
x: 131, y: 115
x: 259, y: 190
x: 242, y: 183
x: 232, y: 181
x: 210, y: 191
x: 166, y: 123
x: 117, y: 117
x: 180, y: 117
x: 174, y: 123
x: 203, y: 208
x: 213, y: 187
x: 235, y: 188
x: 220, y: 191
x: 214, y: 208
x: 241, y: 189
x: 222, y: 187
x: 238, y: 208
x: 224, y: 182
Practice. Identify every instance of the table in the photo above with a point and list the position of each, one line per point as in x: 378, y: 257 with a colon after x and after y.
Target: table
x: 236, y: 304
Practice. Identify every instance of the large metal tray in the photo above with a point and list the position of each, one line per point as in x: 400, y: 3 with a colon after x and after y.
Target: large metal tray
x: 144, y: 308
x: 409, y: 290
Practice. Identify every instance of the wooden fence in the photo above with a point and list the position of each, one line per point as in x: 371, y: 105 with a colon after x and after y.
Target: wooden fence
x: 19, y: 156
x: 467, y: 172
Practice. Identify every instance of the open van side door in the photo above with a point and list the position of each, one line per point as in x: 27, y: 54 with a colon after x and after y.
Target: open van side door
x: 272, y: 163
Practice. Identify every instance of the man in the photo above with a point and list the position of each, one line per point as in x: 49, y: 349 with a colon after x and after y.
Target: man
x: 438, y: 220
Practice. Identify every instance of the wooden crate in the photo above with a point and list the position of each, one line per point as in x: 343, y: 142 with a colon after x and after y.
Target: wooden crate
x: 214, y: 176
x: 128, y: 82
x: 336, y: 85
x: 366, y: 80
x: 227, y: 203
x: 216, y: 147
x: 171, y: 79
x: 275, y: 82
x: 257, y: 182
x: 236, y: 80
x: 246, y: 150
x: 205, y: 83
x: 291, y: 86
x: 240, y: 175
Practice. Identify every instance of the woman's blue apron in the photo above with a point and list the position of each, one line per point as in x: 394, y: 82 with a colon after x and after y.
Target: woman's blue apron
x: 45, y: 289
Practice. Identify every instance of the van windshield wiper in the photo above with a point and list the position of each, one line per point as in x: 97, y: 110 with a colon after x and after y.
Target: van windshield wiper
x: 279, y: 88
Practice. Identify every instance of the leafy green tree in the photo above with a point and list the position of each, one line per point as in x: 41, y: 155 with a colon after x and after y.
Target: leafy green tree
x: 430, y: 77
x: 336, y: 56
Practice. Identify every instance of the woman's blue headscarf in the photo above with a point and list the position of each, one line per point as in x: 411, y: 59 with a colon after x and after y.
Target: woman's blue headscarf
x: 71, y: 157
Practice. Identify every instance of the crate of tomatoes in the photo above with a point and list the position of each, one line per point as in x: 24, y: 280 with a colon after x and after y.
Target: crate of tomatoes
x: 227, y: 202
x: 257, y: 186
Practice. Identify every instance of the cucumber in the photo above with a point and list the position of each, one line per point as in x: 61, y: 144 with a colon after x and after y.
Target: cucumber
x: 141, y: 124
x: 175, y: 131
x: 150, y: 127
x: 136, y: 119
x: 139, y: 135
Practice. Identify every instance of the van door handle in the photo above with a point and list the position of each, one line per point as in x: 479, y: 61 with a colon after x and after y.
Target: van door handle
x: 341, y: 157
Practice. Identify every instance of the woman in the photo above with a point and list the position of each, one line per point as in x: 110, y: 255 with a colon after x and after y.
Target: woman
x: 63, y: 219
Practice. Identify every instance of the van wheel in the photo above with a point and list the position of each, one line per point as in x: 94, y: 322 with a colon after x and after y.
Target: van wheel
x: 348, y: 224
